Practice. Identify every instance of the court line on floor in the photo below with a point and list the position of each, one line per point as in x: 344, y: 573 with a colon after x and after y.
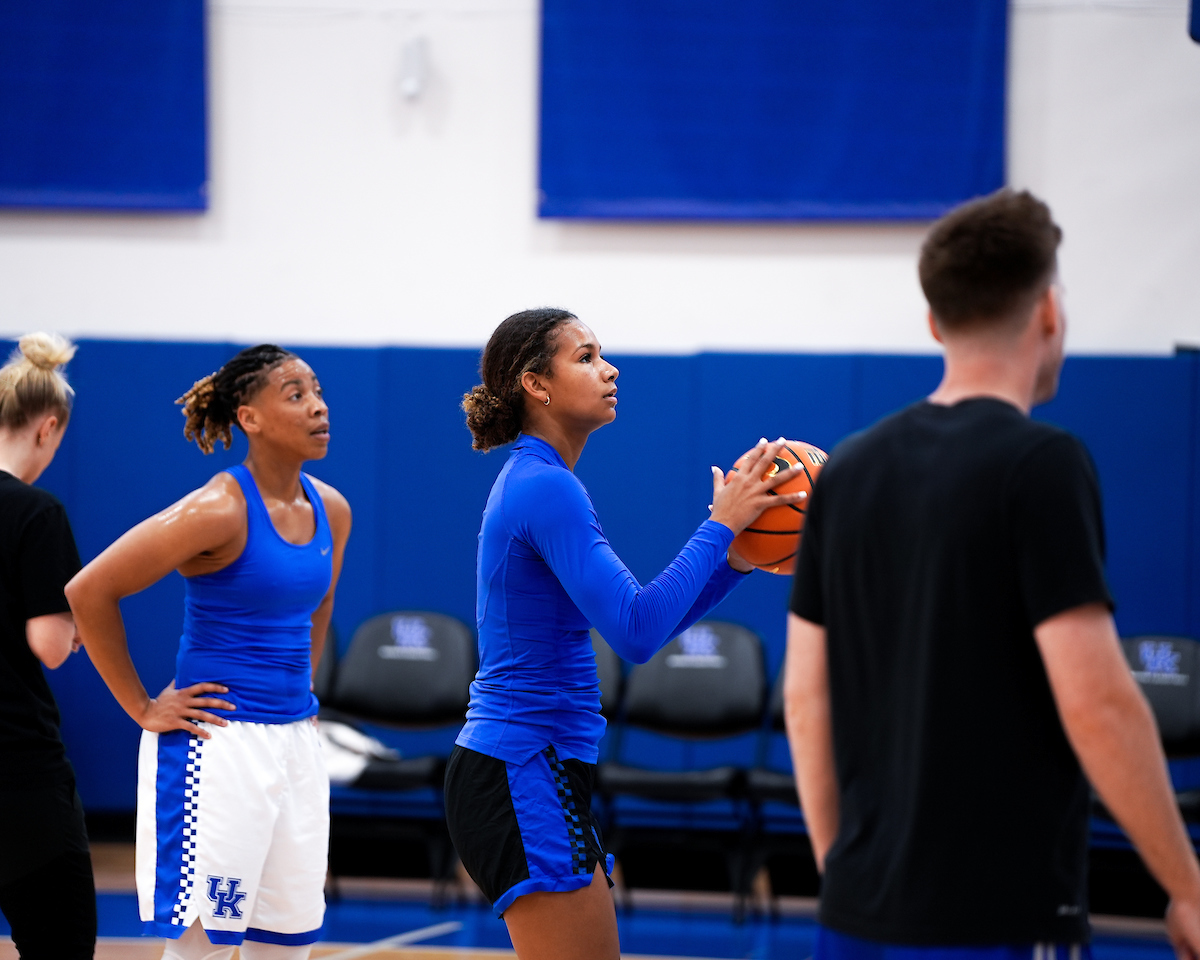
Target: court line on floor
x: 400, y: 940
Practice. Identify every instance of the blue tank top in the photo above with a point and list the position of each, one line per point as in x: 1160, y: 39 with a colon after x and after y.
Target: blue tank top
x: 249, y: 625
x: 546, y: 573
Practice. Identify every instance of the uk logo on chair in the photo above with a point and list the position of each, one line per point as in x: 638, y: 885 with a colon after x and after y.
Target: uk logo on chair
x: 1160, y: 663
x: 701, y: 648
x: 410, y: 640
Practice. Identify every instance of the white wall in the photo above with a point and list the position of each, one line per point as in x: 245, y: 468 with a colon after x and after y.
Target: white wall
x: 342, y: 213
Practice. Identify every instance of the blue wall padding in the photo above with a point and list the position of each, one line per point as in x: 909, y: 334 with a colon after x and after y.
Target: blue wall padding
x: 402, y: 456
x: 103, y: 104
x: 759, y: 109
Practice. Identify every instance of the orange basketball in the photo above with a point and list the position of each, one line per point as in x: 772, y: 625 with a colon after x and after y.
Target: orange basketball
x: 772, y: 541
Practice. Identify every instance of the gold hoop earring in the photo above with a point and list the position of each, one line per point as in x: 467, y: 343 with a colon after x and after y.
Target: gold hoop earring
x: 547, y: 401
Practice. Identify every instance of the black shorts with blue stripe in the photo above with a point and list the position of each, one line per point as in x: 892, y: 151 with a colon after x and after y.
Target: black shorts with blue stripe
x: 520, y: 828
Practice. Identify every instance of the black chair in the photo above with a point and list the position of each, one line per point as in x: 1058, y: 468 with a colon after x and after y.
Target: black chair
x: 773, y: 780
x: 779, y: 828
x: 407, y: 667
x: 326, y: 667
x: 403, y: 671
x: 612, y: 680
x: 699, y: 692
x: 608, y: 666
x: 1166, y: 669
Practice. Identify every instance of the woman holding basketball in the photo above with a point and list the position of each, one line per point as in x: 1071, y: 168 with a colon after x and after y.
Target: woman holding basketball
x: 233, y: 801
x: 519, y: 782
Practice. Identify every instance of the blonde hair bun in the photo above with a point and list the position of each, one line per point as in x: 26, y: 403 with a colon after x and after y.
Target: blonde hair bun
x: 31, y: 383
x: 46, y: 351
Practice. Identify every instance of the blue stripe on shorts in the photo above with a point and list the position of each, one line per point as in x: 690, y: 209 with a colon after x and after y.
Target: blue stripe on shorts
x: 234, y: 938
x: 177, y: 797
x: 552, y: 823
x: 283, y: 939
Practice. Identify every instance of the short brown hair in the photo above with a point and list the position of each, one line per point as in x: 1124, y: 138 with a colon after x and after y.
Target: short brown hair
x: 989, y: 259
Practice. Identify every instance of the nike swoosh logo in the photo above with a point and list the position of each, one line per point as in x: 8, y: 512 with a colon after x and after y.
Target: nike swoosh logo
x: 325, y: 550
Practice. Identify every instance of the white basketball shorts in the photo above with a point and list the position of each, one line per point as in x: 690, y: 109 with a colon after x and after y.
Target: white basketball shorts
x: 233, y: 831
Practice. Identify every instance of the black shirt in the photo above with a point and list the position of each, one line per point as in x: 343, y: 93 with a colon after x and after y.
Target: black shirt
x: 37, y: 558
x: 934, y: 543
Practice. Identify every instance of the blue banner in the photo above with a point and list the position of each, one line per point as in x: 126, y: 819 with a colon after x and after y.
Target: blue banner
x: 770, y: 109
x: 102, y: 104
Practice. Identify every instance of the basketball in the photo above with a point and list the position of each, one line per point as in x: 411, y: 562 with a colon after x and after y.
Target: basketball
x: 772, y: 541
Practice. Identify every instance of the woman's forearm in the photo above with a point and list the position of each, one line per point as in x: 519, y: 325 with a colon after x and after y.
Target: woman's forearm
x: 720, y: 585
x: 641, y: 620
x: 98, y: 620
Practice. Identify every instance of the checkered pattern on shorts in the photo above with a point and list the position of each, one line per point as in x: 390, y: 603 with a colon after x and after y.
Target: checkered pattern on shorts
x: 191, y: 809
x: 566, y: 797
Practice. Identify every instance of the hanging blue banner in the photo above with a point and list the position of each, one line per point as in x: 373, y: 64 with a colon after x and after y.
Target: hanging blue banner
x: 770, y: 109
x: 102, y: 105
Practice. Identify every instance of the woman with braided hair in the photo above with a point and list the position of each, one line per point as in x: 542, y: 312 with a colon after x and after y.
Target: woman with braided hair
x: 519, y: 782
x: 233, y: 801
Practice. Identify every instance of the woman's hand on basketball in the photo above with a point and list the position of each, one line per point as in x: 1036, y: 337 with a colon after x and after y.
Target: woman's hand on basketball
x: 182, y: 709
x: 739, y: 496
x: 738, y: 562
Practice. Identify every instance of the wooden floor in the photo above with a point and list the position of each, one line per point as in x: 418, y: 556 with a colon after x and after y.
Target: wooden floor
x: 152, y: 950
x: 136, y: 949
x: 113, y: 865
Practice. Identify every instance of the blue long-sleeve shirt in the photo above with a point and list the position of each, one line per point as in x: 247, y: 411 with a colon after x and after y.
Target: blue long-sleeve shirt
x: 546, y: 573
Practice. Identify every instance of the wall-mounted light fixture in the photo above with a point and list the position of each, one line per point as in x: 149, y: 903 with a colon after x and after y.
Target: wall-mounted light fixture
x: 414, y: 68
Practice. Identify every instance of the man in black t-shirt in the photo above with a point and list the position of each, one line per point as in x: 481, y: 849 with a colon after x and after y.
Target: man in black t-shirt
x: 953, y: 670
x: 46, y: 888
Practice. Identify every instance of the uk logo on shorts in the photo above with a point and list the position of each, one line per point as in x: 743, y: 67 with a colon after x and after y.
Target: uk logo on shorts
x: 228, y: 902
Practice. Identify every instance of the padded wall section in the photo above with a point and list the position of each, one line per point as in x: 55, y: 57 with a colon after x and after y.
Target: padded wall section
x: 402, y: 456
x: 770, y: 109
x: 102, y: 104
x: 1131, y: 414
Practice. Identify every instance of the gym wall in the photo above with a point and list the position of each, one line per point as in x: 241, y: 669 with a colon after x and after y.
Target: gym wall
x: 401, y: 454
x: 343, y: 213
x: 396, y: 232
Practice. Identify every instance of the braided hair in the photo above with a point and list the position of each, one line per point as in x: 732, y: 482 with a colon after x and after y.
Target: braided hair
x: 523, y: 343
x: 211, y: 405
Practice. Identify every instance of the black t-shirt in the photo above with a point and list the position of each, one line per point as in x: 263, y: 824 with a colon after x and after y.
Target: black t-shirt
x: 934, y: 543
x: 37, y: 558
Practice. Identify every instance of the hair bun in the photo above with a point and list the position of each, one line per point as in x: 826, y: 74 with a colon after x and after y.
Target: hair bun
x: 46, y: 351
x: 492, y: 421
x: 483, y: 398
